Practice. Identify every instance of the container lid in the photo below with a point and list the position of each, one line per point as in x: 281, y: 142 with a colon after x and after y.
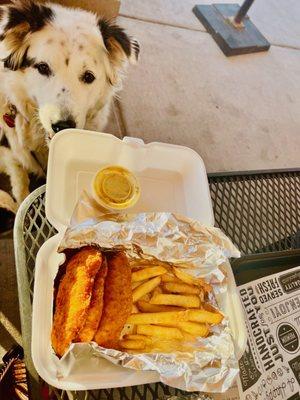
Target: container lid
x: 171, y: 178
x: 115, y: 188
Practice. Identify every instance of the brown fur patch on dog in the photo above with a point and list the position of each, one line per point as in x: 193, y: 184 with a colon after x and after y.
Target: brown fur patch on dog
x: 113, y: 33
x: 36, y: 15
x: 118, y: 46
x: 24, y: 17
x: 17, y: 44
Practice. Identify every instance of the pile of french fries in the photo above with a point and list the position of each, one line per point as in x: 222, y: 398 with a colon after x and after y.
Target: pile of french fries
x: 169, y: 310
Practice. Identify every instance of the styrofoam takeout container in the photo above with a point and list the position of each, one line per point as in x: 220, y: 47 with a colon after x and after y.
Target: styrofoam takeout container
x: 172, y: 178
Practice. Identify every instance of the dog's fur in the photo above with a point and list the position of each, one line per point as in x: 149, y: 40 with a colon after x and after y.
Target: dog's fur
x: 77, y: 46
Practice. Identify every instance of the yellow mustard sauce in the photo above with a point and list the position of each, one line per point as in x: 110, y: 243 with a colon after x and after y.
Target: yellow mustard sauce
x: 115, y: 188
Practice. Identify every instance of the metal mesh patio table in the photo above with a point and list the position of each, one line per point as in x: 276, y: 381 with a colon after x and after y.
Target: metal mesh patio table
x: 259, y: 211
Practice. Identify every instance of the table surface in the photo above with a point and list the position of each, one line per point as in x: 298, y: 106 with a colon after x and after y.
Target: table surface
x: 259, y: 211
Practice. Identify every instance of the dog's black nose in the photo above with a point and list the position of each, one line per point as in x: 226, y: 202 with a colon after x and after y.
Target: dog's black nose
x: 60, y: 125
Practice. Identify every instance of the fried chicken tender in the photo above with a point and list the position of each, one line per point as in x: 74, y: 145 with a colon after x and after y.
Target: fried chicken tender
x: 74, y: 297
x: 94, y: 313
x: 117, y: 301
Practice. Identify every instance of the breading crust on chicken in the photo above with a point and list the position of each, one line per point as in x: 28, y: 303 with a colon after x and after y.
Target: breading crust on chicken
x: 94, y: 313
x: 117, y: 301
x: 74, y: 297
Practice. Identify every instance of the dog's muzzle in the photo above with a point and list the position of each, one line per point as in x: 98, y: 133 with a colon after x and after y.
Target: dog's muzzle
x: 60, y: 125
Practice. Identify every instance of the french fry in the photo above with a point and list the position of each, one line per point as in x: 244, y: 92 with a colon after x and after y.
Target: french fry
x: 175, y: 287
x: 163, y: 332
x: 209, y: 307
x: 169, y: 278
x: 146, y: 307
x: 135, y: 310
x: 147, y: 273
x: 188, y: 301
x: 190, y: 280
x: 184, y: 277
x: 145, y: 288
x: 202, y: 296
x: 127, y: 329
x: 157, y: 290
x: 193, y: 328
x: 136, y: 337
x: 133, y: 269
x: 204, y: 285
x: 160, y: 318
x: 146, y: 339
x: 132, y: 344
x: 146, y: 297
x: 187, y: 337
x: 135, y: 284
x: 204, y: 316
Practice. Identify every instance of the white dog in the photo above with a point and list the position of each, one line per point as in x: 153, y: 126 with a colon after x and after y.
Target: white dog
x: 60, y: 68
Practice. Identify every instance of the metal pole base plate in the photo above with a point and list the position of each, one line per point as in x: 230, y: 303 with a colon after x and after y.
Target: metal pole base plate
x: 217, y: 19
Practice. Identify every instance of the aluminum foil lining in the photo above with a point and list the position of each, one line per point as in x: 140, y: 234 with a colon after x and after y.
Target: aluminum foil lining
x: 211, y: 365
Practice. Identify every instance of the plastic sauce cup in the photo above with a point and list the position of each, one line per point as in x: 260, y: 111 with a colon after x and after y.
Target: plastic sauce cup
x: 115, y: 188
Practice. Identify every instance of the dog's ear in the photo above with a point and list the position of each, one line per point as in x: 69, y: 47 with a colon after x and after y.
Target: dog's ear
x: 120, y: 47
x: 18, y: 21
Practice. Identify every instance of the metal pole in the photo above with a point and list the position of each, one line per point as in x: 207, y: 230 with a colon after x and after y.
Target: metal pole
x: 243, y: 11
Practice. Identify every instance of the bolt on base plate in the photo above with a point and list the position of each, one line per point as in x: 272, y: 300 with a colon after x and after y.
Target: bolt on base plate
x: 218, y: 20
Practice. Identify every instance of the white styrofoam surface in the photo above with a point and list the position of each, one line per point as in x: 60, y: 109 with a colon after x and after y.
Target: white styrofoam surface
x: 172, y: 178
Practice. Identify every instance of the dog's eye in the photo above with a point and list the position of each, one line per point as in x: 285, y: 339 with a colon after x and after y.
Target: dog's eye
x: 43, y: 69
x: 88, y: 77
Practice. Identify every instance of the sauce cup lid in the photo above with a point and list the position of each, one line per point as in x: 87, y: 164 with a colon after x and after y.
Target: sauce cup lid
x: 115, y: 188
